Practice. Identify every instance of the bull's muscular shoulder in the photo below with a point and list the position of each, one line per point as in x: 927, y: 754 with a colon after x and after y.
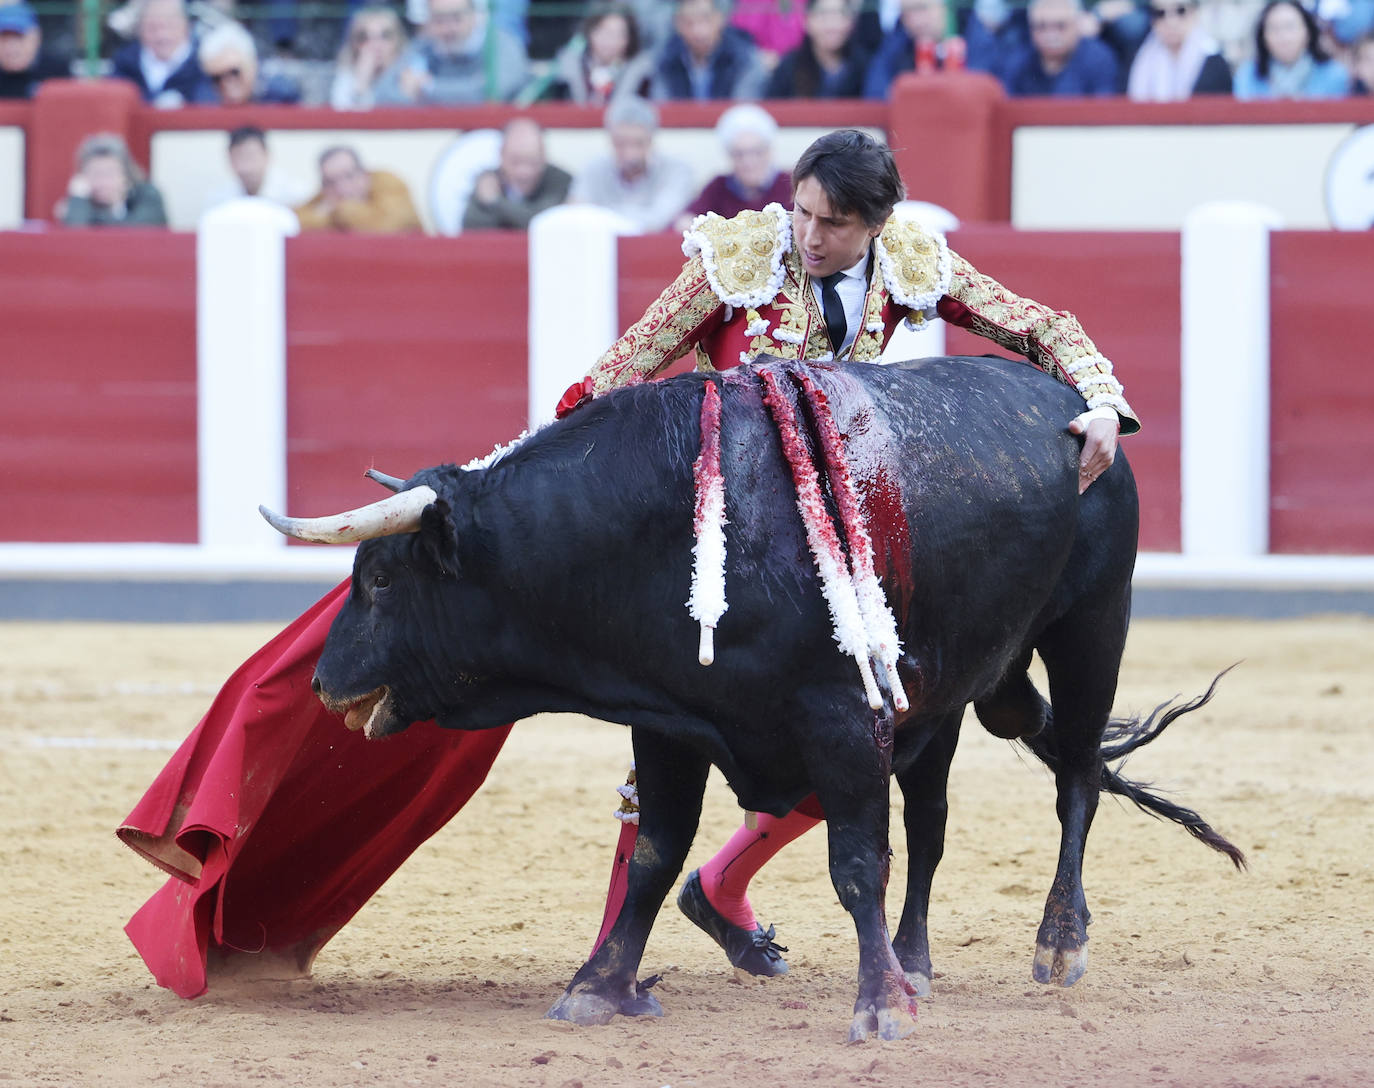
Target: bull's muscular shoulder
x: 915, y: 263
x: 742, y: 255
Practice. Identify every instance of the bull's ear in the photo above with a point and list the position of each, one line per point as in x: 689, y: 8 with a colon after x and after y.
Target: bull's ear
x: 436, y: 541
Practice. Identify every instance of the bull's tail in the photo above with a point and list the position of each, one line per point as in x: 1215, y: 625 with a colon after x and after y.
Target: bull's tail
x: 1122, y: 737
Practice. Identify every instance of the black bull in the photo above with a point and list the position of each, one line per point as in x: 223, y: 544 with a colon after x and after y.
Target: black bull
x: 555, y: 580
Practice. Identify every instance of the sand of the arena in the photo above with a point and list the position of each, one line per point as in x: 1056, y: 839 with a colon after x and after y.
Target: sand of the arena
x: 1198, y: 975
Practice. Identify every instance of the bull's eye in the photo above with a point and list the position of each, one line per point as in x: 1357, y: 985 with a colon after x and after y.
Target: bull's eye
x: 381, y: 580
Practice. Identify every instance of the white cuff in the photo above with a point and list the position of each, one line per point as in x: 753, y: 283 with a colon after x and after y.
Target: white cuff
x: 1104, y: 412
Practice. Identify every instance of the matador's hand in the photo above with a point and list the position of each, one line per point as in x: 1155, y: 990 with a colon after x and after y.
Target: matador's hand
x: 1100, y: 429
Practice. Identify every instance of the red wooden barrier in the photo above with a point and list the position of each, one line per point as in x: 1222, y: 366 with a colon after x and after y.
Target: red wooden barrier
x: 1124, y: 288
x: 99, y: 378
x: 407, y: 352
x: 1322, y: 390
x: 404, y: 352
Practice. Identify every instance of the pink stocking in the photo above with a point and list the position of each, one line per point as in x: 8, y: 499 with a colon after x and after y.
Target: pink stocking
x: 725, y: 878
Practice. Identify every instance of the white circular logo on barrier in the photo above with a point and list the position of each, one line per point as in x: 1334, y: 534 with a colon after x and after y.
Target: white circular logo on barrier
x: 1350, y: 182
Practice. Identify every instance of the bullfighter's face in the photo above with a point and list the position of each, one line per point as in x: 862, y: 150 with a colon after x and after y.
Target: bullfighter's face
x: 827, y: 239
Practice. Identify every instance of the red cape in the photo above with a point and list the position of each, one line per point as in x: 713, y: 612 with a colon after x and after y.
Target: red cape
x: 277, y: 824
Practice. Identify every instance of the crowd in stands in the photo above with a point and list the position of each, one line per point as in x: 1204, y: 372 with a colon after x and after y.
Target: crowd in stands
x: 194, y: 52
x: 626, y: 55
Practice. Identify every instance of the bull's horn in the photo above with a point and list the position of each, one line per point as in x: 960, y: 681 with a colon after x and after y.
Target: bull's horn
x: 398, y: 514
x: 391, y: 483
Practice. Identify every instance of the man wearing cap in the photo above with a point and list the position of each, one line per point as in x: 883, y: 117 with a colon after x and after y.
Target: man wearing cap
x: 24, y: 63
x: 830, y: 282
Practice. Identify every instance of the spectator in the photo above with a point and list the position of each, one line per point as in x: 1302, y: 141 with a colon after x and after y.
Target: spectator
x: 24, y: 64
x: 229, y: 60
x: 830, y: 62
x: 109, y: 190
x: 604, y: 60
x: 640, y: 183
x: 1060, y: 60
x: 511, y: 15
x: 706, y: 58
x: 254, y: 174
x: 1289, y: 60
x: 1362, y: 65
x: 994, y: 34
x: 1178, y: 58
x: 776, y: 27
x: 521, y: 187
x: 162, y: 62
x: 747, y: 132
x: 447, y: 62
x: 372, y: 48
x: 920, y: 41
x: 356, y: 200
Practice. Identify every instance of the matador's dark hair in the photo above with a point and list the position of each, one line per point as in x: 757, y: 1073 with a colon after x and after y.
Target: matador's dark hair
x: 857, y: 173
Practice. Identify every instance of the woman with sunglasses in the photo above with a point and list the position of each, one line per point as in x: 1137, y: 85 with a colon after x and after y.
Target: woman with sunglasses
x: 1289, y: 60
x: 229, y: 59
x: 1178, y: 58
x: 372, y: 47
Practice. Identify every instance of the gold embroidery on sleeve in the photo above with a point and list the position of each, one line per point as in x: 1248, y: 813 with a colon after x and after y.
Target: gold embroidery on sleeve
x: 663, y: 334
x: 1054, y: 340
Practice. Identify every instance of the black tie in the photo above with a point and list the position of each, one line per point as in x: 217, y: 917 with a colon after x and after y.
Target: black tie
x: 835, y: 324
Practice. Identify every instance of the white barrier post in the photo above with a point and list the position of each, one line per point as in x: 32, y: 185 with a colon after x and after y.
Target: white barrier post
x: 241, y: 373
x: 1225, y: 379
x: 574, y: 284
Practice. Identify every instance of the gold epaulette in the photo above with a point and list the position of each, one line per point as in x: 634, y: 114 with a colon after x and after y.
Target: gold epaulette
x: 915, y: 263
x: 742, y: 255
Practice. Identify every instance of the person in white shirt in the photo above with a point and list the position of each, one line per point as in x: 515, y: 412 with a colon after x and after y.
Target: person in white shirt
x: 254, y: 174
x: 640, y: 183
x: 163, y: 62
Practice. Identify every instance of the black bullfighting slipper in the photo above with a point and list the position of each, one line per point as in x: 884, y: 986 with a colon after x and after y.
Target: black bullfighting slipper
x: 752, y: 951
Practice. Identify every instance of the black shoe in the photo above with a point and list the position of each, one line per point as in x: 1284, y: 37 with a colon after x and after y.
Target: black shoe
x: 754, y: 952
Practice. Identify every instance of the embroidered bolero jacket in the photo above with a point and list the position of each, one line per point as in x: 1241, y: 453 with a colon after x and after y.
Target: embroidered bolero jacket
x: 743, y: 293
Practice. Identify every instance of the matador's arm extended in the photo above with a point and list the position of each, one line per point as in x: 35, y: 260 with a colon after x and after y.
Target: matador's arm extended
x: 1053, y: 340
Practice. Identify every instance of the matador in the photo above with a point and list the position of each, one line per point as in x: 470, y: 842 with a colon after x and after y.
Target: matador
x: 831, y: 280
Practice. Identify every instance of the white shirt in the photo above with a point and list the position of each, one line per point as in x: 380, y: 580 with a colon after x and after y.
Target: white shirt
x: 157, y: 72
x: 651, y: 201
x: 277, y: 187
x: 852, y: 289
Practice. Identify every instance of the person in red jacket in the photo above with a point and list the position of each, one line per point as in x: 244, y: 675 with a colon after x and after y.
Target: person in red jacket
x: 830, y: 280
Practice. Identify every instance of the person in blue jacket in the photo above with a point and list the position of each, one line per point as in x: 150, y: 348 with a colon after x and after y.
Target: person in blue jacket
x: 1289, y: 60
x: 1061, y: 61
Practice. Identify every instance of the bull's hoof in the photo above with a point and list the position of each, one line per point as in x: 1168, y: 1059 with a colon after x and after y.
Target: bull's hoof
x: 884, y: 1023
x: 585, y: 1008
x: 919, y: 983
x: 643, y: 1003
x: 588, y: 1008
x: 1059, y: 966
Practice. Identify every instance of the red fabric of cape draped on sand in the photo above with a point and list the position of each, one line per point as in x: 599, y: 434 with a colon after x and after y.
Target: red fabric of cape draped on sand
x: 277, y: 824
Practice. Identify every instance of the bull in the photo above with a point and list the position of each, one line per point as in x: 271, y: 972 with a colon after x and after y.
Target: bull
x: 553, y: 578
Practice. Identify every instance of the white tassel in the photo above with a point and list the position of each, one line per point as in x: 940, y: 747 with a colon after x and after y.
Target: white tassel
x: 706, y: 603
